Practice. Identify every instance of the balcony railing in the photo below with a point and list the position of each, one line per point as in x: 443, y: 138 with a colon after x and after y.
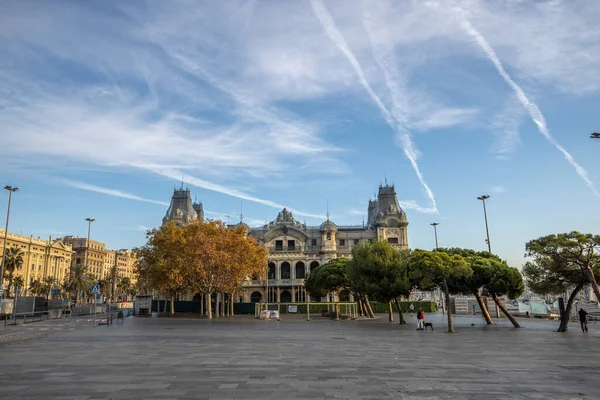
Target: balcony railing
x: 277, y: 282
x: 288, y: 249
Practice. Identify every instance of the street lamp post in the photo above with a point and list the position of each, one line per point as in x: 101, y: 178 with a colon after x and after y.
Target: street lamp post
x: 435, y: 224
x: 487, y: 231
x: 87, y: 257
x: 11, y: 190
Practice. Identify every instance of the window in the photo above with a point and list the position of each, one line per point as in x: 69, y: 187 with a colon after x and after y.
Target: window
x: 356, y: 242
x: 342, y: 242
x: 279, y: 245
x: 313, y: 242
x: 393, y: 240
x: 328, y: 235
x: 291, y: 244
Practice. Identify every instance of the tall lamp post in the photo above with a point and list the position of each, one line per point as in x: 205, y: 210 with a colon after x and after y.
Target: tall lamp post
x: 87, y: 258
x: 487, y: 231
x: 435, y: 224
x: 11, y: 190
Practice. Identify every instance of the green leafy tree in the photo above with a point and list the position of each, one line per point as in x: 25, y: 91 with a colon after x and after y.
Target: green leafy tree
x: 12, y: 263
x: 563, y: 263
x: 480, y: 264
x: 383, y: 272
x: 572, y: 250
x: 329, y: 277
x: 431, y: 269
x: 507, y: 281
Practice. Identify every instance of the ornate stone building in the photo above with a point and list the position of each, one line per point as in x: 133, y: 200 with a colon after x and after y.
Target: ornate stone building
x: 295, y: 248
x: 42, y: 258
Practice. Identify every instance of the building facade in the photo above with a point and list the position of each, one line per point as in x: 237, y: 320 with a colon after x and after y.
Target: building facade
x: 295, y: 249
x: 90, y: 253
x: 42, y: 258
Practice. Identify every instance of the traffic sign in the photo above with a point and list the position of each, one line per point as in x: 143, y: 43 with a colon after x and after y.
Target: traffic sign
x: 95, y: 289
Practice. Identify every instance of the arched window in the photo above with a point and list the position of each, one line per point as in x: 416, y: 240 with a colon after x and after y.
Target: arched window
x: 314, y: 265
x: 285, y: 270
x: 271, y: 270
x: 256, y: 297
x: 286, y: 297
x: 300, y: 270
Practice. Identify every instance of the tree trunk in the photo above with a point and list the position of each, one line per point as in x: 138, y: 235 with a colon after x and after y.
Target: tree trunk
x: 390, y: 312
x: 172, y: 306
x: 231, y: 309
x: 361, y: 310
x: 201, y: 304
x: 593, y: 281
x: 564, y: 319
x: 505, y: 311
x: 369, y: 309
x: 222, y: 304
x: 10, y: 280
x: 482, y: 306
x: 449, y: 312
x: 209, y: 305
x: 400, y: 316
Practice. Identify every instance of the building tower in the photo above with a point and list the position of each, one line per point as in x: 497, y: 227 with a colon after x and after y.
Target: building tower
x: 389, y: 219
x: 181, y: 209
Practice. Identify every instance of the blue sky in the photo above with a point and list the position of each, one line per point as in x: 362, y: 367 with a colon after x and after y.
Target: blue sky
x: 104, y: 106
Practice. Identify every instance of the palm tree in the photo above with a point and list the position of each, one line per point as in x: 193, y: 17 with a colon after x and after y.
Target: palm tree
x: 78, y: 281
x: 124, y: 287
x: 13, y: 262
x: 37, y: 287
x: 48, y: 283
x: 18, y: 282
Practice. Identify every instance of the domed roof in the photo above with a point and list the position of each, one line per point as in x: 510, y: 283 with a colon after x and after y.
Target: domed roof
x: 328, y: 226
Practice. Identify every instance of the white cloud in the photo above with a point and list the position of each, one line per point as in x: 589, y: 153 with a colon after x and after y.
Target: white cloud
x: 444, y: 117
x: 395, y: 118
x: 505, y: 126
x: 110, y: 192
x: 534, y: 112
x: 412, y: 205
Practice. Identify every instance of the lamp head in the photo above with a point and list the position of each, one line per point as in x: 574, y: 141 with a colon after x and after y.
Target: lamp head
x: 12, y: 189
x: 90, y: 219
x: 484, y: 197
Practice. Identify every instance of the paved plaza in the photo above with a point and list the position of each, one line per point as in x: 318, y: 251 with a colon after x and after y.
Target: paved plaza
x: 244, y: 358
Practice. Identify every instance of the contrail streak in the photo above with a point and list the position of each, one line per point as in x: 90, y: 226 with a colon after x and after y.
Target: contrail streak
x: 177, y: 175
x: 405, y: 140
x: 534, y: 111
x: 110, y: 192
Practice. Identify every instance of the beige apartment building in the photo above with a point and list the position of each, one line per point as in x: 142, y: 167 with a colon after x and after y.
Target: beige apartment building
x: 41, y: 258
x: 92, y: 254
x: 126, y: 260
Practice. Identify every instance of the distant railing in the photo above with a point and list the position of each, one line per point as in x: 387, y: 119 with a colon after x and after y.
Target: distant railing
x: 288, y: 249
x: 276, y: 282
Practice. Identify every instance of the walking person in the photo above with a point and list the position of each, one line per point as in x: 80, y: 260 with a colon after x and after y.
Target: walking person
x: 420, y: 320
x: 412, y: 309
x: 583, y: 316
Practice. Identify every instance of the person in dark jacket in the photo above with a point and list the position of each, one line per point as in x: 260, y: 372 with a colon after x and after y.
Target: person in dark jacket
x: 583, y: 315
